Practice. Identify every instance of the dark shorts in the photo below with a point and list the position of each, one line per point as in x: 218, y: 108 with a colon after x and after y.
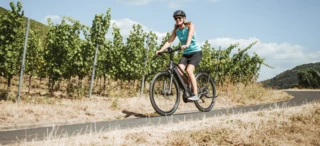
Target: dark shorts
x: 193, y: 58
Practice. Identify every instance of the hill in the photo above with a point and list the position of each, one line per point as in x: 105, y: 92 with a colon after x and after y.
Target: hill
x: 33, y: 24
x: 289, y: 78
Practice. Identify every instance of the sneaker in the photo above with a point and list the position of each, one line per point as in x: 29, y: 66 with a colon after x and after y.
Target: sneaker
x: 194, y: 97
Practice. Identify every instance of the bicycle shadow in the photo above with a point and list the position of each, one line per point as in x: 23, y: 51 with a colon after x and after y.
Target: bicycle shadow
x: 129, y: 113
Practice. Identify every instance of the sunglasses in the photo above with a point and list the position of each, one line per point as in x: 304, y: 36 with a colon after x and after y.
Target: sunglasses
x: 177, y: 18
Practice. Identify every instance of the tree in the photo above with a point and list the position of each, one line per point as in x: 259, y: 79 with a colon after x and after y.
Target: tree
x: 116, y: 55
x: 11, y: 40
x: 98, y: 31
x: 135, y: 54
x: 309, y: 78
x: 34, y: 58
x: 152, y: 48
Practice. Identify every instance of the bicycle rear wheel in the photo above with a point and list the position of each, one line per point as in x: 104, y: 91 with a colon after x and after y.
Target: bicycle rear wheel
x: 164, y: 100
x: 206, y: 91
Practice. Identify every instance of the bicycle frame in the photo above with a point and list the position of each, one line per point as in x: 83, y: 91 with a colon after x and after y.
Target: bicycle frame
x: 173, y: 71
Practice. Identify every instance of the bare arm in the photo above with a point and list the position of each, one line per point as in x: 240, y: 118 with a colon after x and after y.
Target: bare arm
x: 169, y: 42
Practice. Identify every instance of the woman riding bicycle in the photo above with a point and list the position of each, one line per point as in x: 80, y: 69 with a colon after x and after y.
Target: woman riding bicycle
x: 192, y: 53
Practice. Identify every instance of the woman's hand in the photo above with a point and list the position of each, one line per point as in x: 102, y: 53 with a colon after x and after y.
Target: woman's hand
x: 184, y: 47
x: 158, y: 52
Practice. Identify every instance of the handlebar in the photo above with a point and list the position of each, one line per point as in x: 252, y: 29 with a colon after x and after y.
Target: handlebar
x: 170, y: 50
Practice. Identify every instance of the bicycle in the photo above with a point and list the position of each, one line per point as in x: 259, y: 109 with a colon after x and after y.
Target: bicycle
x: 173, y: 79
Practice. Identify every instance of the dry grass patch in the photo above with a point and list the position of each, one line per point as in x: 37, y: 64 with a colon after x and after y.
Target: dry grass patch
x: 278, y: 126
x: 252, y: 94
x: 50, y: 110
x: 42, y: 110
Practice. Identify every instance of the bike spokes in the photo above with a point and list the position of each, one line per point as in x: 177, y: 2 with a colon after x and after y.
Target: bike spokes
x: 206, y: 91
x: 163, y: 98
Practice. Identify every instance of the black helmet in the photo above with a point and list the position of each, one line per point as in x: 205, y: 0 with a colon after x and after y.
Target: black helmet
x: 179, y: 13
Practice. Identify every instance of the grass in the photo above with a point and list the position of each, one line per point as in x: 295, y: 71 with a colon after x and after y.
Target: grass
x: 44, y: 109
x: 277, y: 126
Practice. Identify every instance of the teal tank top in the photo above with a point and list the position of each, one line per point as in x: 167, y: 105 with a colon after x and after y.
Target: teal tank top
x: 183, y: 36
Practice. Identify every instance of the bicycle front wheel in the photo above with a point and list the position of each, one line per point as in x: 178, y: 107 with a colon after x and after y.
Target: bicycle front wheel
x: 164, y: 94
x: 206, y: 91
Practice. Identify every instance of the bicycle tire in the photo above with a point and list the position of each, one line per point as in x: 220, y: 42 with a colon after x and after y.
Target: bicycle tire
x: 152, y: 91
x: 213, y: 96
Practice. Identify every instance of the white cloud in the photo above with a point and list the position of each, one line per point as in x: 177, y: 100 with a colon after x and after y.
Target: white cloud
x: 125, y: 26
x: 178, y: 3
x: 135, y: 2
x: 54, y: 18
x: 282, y: 56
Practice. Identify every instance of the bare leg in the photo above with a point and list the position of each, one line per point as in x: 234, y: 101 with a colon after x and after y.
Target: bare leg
x: 183, y: 67
x: 192, y: 78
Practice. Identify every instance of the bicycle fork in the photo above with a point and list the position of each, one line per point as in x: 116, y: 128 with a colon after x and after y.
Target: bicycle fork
x: 169, y: 91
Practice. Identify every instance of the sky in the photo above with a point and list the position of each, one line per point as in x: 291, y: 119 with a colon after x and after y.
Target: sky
x: 287, y: 31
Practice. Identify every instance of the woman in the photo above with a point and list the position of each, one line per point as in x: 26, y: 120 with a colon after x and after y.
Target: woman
x: 192, y: 53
